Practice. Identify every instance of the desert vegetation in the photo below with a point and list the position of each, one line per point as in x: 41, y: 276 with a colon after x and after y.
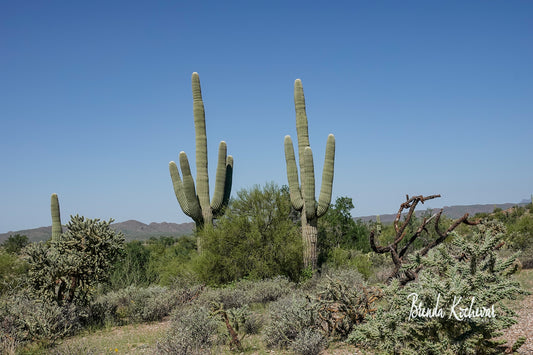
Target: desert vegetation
x: 248, y: 290
x: 270, y: 270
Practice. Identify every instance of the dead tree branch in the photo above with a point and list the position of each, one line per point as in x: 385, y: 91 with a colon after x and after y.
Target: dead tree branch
x: 398, y: 257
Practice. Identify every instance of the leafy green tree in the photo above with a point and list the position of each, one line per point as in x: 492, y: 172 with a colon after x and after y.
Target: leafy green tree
x: 132, y: 267
x: 338, y: 229
x: 15, y: 243
x: 170, y: 258
x: 12, y: 271
x: 68, y: 268
x: 254, y: 239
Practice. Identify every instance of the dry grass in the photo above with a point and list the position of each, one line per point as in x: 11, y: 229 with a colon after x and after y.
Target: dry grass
x: 129, y: 339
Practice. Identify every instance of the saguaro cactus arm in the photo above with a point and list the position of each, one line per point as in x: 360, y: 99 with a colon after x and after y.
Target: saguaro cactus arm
x: 56, y: 216
x: 292, y: 175
x: 184, y: 189
x: 324, y: 199
x: 308, y: 177
x: 220, y: 180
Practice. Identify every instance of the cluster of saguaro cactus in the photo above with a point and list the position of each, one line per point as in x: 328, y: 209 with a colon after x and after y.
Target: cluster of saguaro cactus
x: 195, y: 202
x: 56, y: 217
x: 303, y: 194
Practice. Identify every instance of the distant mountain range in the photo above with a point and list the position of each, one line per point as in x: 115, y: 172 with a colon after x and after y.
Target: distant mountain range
x: 135, y: 230
x: 453, y: 212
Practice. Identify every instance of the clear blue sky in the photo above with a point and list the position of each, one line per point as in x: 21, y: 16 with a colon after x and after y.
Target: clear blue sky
x: 423, y: 97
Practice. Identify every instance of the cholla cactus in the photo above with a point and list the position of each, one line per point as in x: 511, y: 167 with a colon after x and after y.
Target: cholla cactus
x: 303, y: 193
x: 195, y: 202
x: 458, y: 304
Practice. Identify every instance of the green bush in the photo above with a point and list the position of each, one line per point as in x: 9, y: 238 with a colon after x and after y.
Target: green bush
x: 338, y: 230
x: 455, y: 275
x: 12, y: 272
x: 343, y: 258
x: 255, y: 239
x: 15, y: 243
x: 131, y: 268
x: 172, y: 260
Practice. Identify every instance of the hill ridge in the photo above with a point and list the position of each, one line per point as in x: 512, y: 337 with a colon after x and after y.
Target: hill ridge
x: 136, y: 230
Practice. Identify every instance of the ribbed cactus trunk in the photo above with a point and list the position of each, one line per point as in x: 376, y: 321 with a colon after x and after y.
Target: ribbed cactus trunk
x: 56, y: 217
x: 195, y: 201
x: 310, y: 239
x: 303, y: 192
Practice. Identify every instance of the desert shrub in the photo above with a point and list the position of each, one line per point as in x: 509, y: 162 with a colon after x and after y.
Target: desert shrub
x: 68, y: 268
x: 288, y: 316
x: 8, y: 344
x: 337, y: 229
x: 255, y: 239
x: 15, y: 243
x: 455, y: 275
x: 267, y: 290
x: 229, y: 297
x: 172, y: 259
x: 350, y: 277
x: 350, y: 258
x: 252, y: 323
x: 526, y: 258
x: 342, y: 301
x: 309, y: 342
x: 23, y: 318
x: 193, y: 331
x: 520, y: 236
x: 239, y: 322
x: 132, y: 267
x: 12, y: 271
x: 138, y: 304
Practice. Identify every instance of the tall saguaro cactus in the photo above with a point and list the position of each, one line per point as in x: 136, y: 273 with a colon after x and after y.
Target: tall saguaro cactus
x: 56, y: 217
x: 195, y: 202
x: 303, y: 194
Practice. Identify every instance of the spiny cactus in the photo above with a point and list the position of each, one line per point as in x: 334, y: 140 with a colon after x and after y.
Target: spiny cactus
x: 303, y: 196
x: 195, y: 202
x: 56, y: 217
